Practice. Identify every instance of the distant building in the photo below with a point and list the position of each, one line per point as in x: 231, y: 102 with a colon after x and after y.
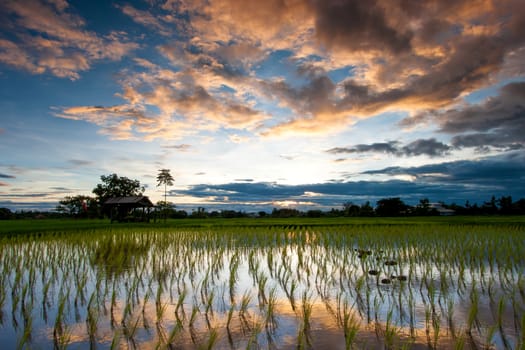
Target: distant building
x: 441, y: 210
x: 136, y: 208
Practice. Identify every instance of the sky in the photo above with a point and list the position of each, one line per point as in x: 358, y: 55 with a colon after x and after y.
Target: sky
x: 254, y: 105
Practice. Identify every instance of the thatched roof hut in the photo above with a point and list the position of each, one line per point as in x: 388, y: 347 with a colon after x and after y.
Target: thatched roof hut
x: 121, y: 208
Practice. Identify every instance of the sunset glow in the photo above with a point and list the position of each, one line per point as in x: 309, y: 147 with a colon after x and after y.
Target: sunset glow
x: 254, y: 104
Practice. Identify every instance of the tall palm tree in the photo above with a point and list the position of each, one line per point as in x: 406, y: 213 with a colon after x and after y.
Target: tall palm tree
x: 164, y: 178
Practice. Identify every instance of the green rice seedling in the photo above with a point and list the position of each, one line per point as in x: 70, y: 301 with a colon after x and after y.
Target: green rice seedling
x: 204, y: 287
x: 489, y: 336
x: 521, y: 286
x: 62, y: 339
x: 436, y: 326
x: 175, y: 331
x: 270, y: 322
x: 377, y: 304
x: 428, y: 318
x: 450, y: 317
x: 460, y: 341
x: 256, y: 330
x: 2, y: 302
x: 92, y: 318
x: 131, y: 330
x: 350, y: 326
x: 213, y: 336
x: 113, y: 304
x: 270, y: 263
x: 26, y: 335
x: 390, y: 330
x: 60, y: 312
x: 15, y: 299
x: 291, y: 294
x: 128, y: 309
x: 61, y: 334
x: 193, y: 316
x: 230, y: 316
x: 115, y: 341
x: 145, y: 300
x: 209, y: 303
x: 160, y: 307
x: 304, y: 328
x: 473, y: 311
x: 322, y: 262
x: 234, y: 266
x: 243, y: 310
x: 499, y: 323
x: 521, y: 340
x: 180, y: 302
x: 262, y: 279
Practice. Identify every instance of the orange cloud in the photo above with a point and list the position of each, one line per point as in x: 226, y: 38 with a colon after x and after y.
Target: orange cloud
x: 147, y: 19
x: 165, y: 104
x: 400, y: 56
x: 410, y: 56
x: 61, y: 45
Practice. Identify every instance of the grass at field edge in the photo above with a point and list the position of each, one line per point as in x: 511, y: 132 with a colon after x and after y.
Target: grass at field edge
x: 66, y: 225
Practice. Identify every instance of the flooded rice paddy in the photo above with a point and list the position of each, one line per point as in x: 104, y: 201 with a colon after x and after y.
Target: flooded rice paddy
x: 361, y: 287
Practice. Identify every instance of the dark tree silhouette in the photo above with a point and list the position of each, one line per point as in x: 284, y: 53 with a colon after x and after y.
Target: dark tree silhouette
x: 117, y: 186
x: 5, y: 214
x: 78, y: 206
x: 164, y: 178
x: 391, y: 207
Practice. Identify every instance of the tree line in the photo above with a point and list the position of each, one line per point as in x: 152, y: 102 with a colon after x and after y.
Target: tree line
x: 83, y: 206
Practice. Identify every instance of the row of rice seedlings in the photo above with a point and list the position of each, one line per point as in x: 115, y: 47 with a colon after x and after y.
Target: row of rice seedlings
x: 297, y: 262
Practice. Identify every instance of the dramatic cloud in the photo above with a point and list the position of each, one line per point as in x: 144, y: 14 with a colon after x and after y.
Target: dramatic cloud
x: 380, y: 147
x: 429, y: 147
x: 501, y: 173
x: 457, y: 181
x: 147, y: 19
x: 119, y: 122
x: 359, y: 25
x: 397, y: 55
x: 431, y: 63
x: 498, y: 122
x: 47, y: 37
x: 168, y: 104
x: 254, y: 89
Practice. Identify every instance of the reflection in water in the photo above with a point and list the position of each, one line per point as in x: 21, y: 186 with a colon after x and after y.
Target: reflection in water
x: 364, y: 287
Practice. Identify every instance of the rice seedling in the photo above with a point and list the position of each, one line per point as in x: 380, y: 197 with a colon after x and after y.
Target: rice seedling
x: 303, y: 337
x: 92, y: 319
x: 351, y: 326
x: 115, y: 341
x: 270, y: 321
x: 131, y: 275
x: 436, y: 326
x: 390, y: 331
x: 243, y: 310
x: 129, y: 330
x: 193, y: 316
x: 473, y: 311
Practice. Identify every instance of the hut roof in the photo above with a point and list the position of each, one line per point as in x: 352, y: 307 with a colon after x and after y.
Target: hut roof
x: 139, y: 201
